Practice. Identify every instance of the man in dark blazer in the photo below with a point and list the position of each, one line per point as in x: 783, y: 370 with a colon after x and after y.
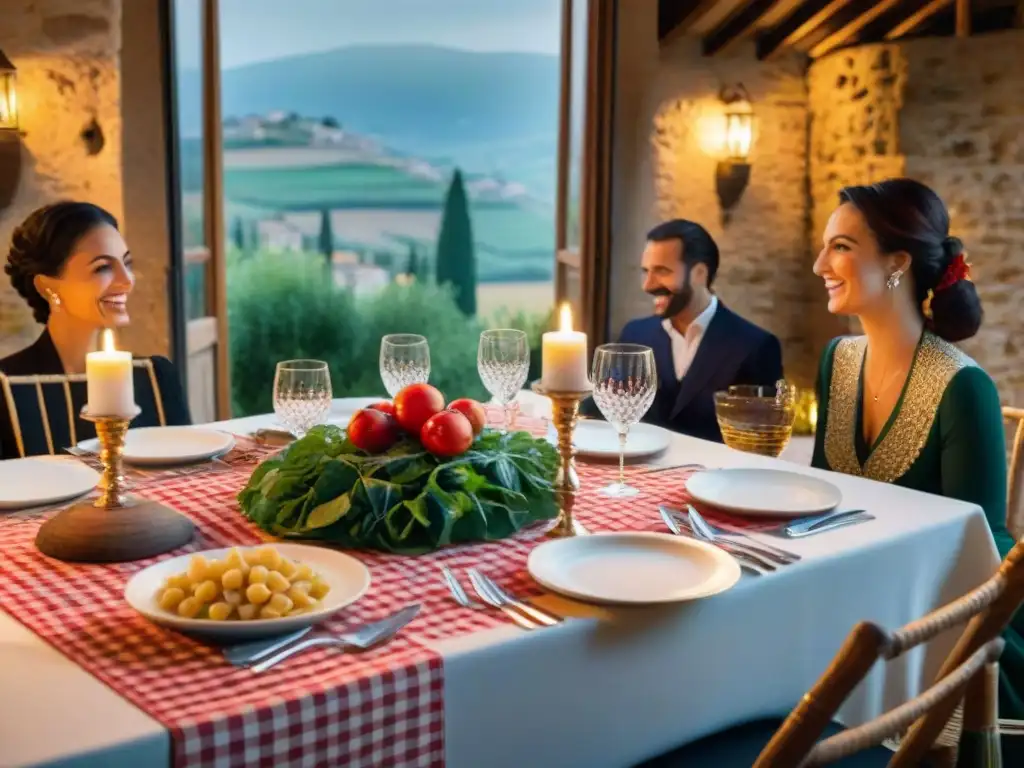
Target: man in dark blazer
x: 700, y: 345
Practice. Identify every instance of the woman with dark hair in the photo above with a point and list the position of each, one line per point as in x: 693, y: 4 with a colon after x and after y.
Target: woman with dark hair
x: 901, y: 404
x: 70, y: 263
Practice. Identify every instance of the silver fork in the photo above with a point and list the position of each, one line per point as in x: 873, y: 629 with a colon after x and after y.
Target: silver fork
x: 362, y: 638
x: 782, y: 556
x: 486, y: 586
x: 466, y: 602
x: 700, y: 528
x: 748, y: 563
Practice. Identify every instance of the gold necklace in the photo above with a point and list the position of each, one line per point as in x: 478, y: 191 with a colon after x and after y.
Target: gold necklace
x: 886, y: 383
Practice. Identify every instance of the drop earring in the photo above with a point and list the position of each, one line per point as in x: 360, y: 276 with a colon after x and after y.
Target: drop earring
x: 54, y: 300
x: 894, y: 280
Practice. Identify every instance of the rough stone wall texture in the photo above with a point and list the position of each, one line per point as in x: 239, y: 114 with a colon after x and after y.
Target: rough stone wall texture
x: 763, y: 246
x: 67, y: 56
x: 949, y: 113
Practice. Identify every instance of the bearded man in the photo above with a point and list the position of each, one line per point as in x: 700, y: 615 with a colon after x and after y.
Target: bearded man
x: 700, y: 346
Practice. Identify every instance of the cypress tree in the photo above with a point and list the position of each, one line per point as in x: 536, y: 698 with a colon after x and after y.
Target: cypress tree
x: 325, y: 243
x: 456, y: 258
x: 412, y: 268
x: 238, y: 234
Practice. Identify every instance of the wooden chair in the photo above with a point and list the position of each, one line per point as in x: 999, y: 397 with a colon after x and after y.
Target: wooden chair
x: 969, y: 674
x: 1015, y: 491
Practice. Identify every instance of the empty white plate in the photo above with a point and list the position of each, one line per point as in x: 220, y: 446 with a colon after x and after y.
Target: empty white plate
x: 763, y: 492
x: 163, y: 446
x: 598, y: 439
x: 40, y: 480
x: 635, y: 568
x: 349, y: 579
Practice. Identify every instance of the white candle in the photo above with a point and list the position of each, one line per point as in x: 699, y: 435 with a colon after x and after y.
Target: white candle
x: 564, y: 357
x: 108, y: 376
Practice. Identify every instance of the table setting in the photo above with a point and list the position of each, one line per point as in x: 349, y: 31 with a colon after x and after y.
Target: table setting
x: 361, y: 581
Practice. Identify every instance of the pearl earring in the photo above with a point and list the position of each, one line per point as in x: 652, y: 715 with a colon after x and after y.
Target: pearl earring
x: 894, y: 280
x: 54, y: 299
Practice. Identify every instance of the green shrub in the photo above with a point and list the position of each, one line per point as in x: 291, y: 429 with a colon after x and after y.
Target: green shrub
x: 430, y: 311
x: 282, y: 307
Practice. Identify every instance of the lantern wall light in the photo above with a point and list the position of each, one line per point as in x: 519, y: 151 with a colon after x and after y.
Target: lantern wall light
x: 733, y: 172
x: 10, y: 138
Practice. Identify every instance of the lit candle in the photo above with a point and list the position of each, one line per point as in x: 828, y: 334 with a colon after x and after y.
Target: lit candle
x: 564, y: 357
x: 108, y: 376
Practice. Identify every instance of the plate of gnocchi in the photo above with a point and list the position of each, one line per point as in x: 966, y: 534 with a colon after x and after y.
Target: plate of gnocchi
x: 241, y: 593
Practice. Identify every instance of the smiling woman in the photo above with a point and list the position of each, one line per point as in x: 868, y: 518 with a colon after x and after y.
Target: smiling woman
x: 71, y: 265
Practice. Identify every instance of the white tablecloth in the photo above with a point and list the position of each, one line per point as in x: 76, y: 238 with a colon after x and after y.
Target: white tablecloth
x: 612, y: 690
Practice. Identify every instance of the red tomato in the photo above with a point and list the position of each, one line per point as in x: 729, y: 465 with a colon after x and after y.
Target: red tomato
x: 448, y: 433
x: 415, y: 404
x: 472, y: 410
x: 384, y: 407
x: 372, y: 431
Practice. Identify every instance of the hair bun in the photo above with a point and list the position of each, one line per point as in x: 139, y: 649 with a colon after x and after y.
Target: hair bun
x: 952, y: 247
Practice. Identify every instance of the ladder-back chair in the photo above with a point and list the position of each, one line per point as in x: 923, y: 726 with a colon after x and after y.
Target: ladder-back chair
x: 1015, y: 490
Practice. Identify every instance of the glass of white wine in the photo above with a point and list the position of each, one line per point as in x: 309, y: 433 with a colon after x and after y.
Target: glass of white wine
x: 625, y: 382
x: 757, y: 419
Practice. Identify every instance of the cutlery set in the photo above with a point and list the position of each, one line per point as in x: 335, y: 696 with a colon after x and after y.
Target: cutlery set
x: 523, y: 615
x: 756, y: 556
x: 261, y: 655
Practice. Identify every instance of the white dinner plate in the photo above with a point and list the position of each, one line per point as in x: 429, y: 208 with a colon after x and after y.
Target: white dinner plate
x: 342, y: 410
x: 599, y: 440
x: 40, y: 480
x: 348, y: 578
x: 164, y: 446
x: 763, y: 492
x: 634, y: 568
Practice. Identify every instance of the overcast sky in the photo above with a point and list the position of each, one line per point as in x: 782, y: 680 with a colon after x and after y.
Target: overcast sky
x: 261, y: 30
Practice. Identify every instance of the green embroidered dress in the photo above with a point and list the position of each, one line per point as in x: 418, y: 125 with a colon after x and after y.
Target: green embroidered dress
x: 945, y: 436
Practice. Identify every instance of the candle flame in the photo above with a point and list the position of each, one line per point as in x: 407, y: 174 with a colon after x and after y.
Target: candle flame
x: 108, y: 341
x: 565, y: 317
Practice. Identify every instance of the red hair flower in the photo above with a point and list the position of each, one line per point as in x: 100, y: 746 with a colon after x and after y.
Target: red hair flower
x: 958, y: 269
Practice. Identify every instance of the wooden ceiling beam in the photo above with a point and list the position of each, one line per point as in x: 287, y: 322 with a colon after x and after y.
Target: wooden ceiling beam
x: 963, y: 18
x: 916, y: 19
x: 737, y: 25
x: 806, y: 18
x: 849, y: 31
x: 675, y: 17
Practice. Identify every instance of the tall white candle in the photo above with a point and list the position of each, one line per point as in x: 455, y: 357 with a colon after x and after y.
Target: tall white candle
x: 564, y: 357
x: 109, y: 383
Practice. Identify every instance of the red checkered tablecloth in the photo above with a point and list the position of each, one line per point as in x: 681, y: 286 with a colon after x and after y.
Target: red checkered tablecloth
x: 381, y: 707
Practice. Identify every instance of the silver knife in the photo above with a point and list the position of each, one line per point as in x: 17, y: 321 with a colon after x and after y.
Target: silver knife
x: 362, y: 637
x: 242, y: 654
x: 831, y: 525
x: 807, y: 523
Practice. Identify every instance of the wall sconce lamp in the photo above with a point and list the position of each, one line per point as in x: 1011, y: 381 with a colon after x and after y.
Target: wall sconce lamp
x: 733, y: 173
x: 10, y: 139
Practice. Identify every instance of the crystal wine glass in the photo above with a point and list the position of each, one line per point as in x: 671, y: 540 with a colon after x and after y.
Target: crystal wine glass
x: 404, y: 360
x: 625, y: 381
x: 302, y: 394
x: 503, y: 361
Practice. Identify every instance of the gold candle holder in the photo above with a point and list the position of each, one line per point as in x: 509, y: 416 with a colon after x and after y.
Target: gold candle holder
x: 565, y: 413
x: 115, y: 527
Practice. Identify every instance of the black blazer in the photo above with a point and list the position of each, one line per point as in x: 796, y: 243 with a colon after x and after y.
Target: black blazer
x: 732, y: 351
x: 41, y: 358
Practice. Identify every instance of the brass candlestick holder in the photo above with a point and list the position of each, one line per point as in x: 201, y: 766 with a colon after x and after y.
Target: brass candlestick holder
x: 565, y: 414
x: 116, y: 527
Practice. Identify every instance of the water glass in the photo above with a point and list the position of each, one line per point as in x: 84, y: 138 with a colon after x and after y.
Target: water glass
x: 302, y: 394
x: 625, y: 382
x: 503, y: 361
x: 404, y: 360
x: 757, y: 419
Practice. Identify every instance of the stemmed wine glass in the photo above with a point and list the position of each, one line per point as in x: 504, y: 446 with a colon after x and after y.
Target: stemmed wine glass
x: 404, y: 360
x: 625, y: 382
x: 302, y: 394
x: 503, y: 361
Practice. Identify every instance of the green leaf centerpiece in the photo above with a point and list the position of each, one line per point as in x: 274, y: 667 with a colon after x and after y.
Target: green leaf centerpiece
x: 405, y: 499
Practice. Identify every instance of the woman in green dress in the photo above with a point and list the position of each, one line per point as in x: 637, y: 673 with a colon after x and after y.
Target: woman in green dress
x: 901, y: 404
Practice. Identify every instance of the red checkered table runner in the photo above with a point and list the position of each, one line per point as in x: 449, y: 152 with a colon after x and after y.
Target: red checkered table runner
x: 381, y: 707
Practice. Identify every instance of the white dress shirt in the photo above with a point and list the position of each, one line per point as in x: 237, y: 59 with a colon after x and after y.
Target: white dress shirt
x: 684, y: 346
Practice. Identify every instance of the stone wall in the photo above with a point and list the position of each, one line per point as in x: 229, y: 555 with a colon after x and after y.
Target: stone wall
x: 673, y: 158
x: 949, y: 113
x: 66, y: 52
